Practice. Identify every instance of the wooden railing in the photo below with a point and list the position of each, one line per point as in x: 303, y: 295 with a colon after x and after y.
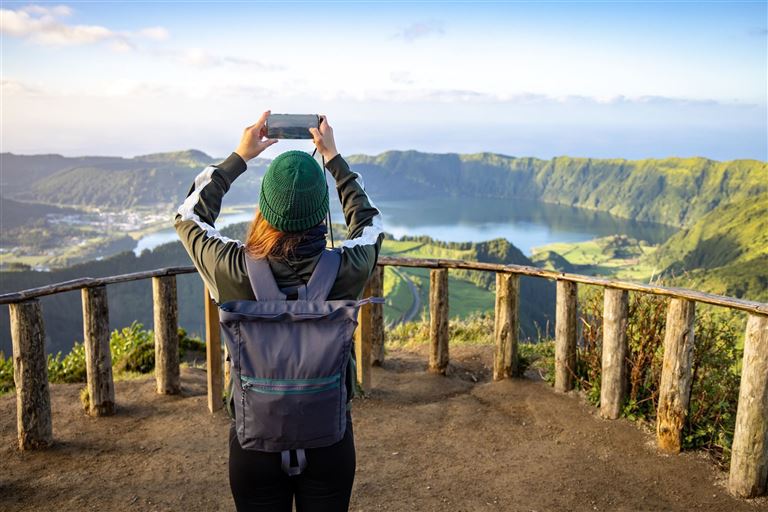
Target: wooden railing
x: 749, y: 458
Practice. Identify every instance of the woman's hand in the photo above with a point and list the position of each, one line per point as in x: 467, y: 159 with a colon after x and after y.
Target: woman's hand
x: 323, y: 139
x: 253, y: 142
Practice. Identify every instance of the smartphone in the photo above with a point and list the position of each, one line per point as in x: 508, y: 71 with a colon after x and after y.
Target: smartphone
x: 291, y: 126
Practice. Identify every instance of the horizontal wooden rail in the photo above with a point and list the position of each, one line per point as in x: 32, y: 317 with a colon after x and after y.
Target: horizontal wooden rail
x: 667, y: 291
x: 91, y: 282
x: 682, y: 293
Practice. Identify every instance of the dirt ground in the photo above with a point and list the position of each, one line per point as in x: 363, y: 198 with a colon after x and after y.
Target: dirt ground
x: 424, y: 443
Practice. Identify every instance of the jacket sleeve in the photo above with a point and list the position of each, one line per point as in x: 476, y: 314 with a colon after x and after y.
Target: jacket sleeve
x: 360, y: 250
x: 216, y: 257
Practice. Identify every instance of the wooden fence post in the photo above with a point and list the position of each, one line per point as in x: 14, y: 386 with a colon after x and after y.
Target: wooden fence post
x: 565, y: 336
x: 438, y: 320
x: 227, y: 370
x: 613, y: 387
x: 676, y: 375
x: 166, y: 316
x: 30, y: 375
x: 213, y: 353
x: 506, y: 326
x: 363, y: 345
x: 375, y: 288
x: 749, y: 452
x: 98, y: 358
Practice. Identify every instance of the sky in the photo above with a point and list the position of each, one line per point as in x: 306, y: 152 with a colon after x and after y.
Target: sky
x: 543, y: 79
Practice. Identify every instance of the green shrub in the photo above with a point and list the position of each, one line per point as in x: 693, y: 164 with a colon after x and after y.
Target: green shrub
x: 716, y: 378
x: 716, y: 362
x: 539, y: 357
x: 69, y: 368
x: 132, y: 350
x: 187, y: 343
x: 407, y: 334
x: 476, y: 329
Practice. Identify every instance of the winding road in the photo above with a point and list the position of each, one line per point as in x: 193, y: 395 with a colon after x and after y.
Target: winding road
x: 415, y: 304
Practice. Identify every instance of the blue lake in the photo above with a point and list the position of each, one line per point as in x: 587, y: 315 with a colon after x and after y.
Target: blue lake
x: 525, y: 223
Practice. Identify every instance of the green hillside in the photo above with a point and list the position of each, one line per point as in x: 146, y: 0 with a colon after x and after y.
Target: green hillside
x: 21, y: 170
x: 735, y: 232
x: 91, y: 186
x: 726, y: 251
x: 616, y: 256
x: 114, y: 183
x: 673, y: 191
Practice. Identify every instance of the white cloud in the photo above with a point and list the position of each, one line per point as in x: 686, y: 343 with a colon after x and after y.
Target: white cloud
x: 470, y: 97
x: 16, y: 88
x: 121, y: 46
x: 43, y: 25
x: 154, y: 33
x: 401, y: 77
x: 57, y: 10
x: 414, y: 96
x: 420, y: 29
x: 139, y: 90
x: 200, y: 58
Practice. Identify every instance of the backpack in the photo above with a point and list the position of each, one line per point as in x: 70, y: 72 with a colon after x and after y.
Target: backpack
x: 290, y: 360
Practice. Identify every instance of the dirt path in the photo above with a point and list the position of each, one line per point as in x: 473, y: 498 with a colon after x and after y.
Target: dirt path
x: 425, y: 443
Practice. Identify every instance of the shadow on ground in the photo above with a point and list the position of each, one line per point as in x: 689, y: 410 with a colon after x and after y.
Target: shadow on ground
x: 425, y: 443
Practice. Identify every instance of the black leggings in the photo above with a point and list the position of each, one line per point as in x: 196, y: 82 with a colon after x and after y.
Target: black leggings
x: 259, y: 483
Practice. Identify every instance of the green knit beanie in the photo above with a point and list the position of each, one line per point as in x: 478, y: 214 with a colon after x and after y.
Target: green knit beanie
x: 294, y: 195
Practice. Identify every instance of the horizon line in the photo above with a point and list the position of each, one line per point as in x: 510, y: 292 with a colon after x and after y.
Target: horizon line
x: 358, y: 154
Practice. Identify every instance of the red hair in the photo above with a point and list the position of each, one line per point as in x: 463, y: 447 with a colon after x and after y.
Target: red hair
x: 264, y: 240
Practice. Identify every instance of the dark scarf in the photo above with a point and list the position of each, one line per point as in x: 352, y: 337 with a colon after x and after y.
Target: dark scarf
x: 312, y: 241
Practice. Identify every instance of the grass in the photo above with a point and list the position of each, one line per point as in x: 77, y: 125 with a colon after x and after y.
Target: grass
x: 476, y: 329
x: 397, y: 293
x: 465, y: 298
x: 612, y: 256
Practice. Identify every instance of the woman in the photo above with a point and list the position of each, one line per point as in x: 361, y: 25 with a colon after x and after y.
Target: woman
x: 289, y: 231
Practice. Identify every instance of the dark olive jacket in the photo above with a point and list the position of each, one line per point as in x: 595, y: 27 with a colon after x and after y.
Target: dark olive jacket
x: 221, y: 260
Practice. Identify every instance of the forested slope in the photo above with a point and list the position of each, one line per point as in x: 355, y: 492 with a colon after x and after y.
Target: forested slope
x: 114, y: 183
x: 726, y: 251
x: 675, y: 191
x: 672, y: 191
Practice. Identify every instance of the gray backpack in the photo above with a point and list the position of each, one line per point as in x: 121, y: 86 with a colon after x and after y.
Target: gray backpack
x: 289, y: 361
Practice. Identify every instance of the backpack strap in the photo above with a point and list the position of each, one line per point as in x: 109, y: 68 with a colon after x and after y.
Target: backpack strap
x: 262, y: 280
x: 324, y: 275
x: 285, y: 462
